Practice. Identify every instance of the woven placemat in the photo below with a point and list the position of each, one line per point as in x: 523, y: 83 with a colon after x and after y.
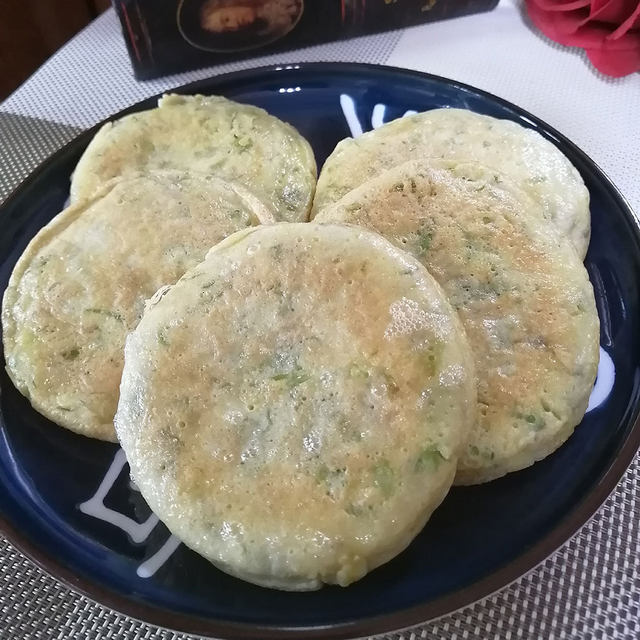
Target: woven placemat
x: 588, y: 589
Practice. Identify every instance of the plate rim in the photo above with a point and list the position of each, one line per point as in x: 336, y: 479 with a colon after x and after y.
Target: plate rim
x: 402, y: 619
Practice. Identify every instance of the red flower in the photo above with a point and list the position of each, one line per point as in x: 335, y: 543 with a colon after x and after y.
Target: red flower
x: 609, y: 30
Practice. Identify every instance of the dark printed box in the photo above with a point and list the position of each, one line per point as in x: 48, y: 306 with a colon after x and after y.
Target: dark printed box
x: 167, y: 36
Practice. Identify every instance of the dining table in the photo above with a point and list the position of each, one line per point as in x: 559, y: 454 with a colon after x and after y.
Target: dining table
x: 589, y: 588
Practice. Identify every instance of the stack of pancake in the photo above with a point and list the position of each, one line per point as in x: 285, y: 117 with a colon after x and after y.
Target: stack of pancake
x: 296, y: 398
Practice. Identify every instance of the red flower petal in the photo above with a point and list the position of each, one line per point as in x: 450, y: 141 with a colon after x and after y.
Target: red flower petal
x: 632, y: 21
x: 559, y: 26
x: 613, y: 47
x: 615, y: 63
x: 613, y: 11
x: 554, y: 5
x: 570, y: 29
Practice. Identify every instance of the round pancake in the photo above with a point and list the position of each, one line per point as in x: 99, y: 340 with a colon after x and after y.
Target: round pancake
x: 533, y: 163
x: 522, y: 294
x: 207, y: 134
x: 293, y: 407
x: 81, y: 285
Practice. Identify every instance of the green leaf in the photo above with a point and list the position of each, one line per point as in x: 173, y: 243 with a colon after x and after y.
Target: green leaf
x: 322, y: 473
x: 424, y: 241
x: 358, y: 371
x: 242, y: 142
x: 354, y: 510
x: 292, y: 378
x: 429, y: 459
x: 106, y: 312
x: 384, y: 478
x: 332, y: 479
x: 276, y: 251
x: 389, y: 381
x: 537, y: 423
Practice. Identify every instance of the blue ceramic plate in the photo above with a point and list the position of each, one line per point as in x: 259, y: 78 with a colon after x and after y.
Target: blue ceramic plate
x: 67, y: 501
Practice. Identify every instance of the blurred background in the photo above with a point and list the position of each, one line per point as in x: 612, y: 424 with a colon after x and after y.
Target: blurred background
x: 32, y: 30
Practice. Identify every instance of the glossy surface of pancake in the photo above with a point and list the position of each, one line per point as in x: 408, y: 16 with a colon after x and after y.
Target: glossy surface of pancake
x: 522, y: 294
x: 532, y: 163
x: 294, y: 406
x: 207, y: 134
x: 81, y: 285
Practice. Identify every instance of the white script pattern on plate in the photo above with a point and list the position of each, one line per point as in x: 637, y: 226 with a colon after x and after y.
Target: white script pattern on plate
x: 348, y: 106
x: 137, y: 531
